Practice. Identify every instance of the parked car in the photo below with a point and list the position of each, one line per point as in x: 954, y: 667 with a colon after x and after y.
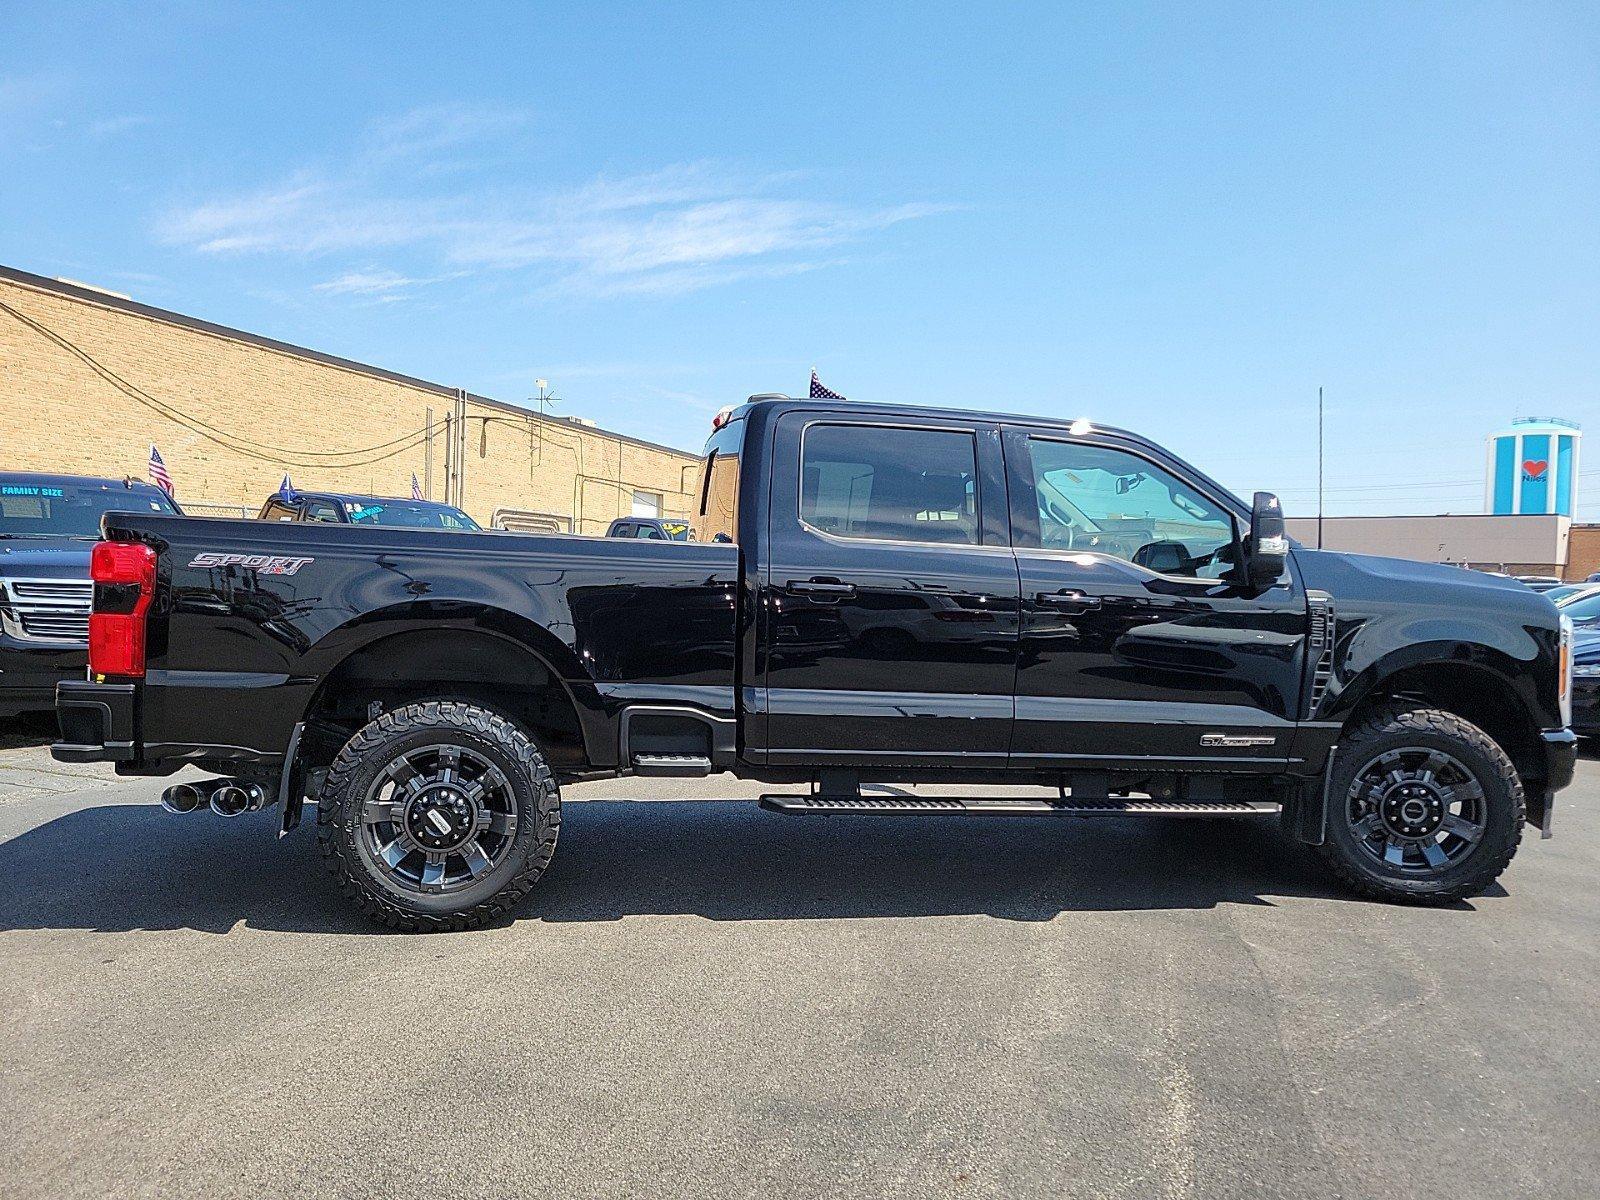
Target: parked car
x: 1582, y: 608
x: 48, y: 525
x: 909, y: 594
x: 1586, y: 680
x: 341, y: 509
x: 651, y: 529
x: 1557, y: 594
x: 1539, y: 583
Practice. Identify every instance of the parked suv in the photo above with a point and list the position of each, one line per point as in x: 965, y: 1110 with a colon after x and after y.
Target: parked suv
x: 651, y: 529
x: 48, y: 523
x: 339, y: 508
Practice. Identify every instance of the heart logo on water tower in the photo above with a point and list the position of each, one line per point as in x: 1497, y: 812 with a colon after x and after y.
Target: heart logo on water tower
x: 1534, y: 468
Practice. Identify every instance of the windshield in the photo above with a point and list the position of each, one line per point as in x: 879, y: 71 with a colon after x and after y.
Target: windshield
x: 408, y: 514
x: 1584, y: 609
x: 70, y: 509
x: 676, y: 531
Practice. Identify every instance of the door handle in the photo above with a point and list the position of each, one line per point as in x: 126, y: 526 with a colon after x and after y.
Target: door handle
x: 1068, y: 600
x: 828, y: 588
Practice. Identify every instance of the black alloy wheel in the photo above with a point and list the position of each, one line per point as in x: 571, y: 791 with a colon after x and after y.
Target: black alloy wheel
x: 1416, y: 809
x: 437, y: 818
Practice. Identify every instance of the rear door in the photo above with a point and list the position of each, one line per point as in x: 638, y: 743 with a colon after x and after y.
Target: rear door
x: 1139, y: 647
x: 889, y: 598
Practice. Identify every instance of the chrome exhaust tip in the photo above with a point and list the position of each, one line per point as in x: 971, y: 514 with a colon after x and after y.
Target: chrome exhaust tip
x: 235, y: 798
x: 182, y: 798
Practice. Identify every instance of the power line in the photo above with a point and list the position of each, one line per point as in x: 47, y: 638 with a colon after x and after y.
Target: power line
x: 236, y: 443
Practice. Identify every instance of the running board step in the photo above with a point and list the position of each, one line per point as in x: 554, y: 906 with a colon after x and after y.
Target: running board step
x: 907, y: 805
x: 675, y: 766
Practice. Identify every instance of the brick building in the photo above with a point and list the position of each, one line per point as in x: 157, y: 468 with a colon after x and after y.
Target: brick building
x: 88, y: 379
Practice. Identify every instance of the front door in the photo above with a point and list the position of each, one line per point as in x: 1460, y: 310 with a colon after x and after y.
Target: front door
x: 889, y: 598
x: 1140, y: 647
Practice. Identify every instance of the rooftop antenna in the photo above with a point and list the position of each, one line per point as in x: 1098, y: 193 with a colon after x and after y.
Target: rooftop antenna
x: 545, y: 398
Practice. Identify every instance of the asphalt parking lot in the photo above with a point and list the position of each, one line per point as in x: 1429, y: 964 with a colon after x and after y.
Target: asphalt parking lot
x: 707, y: 999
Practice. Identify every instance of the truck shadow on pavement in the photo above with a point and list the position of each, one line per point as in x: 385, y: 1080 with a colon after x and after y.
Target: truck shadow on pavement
x: 120, y: 867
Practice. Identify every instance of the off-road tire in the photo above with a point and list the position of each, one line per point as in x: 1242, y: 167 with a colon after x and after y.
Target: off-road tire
x: 1397, y: 726
x: 439, y: 722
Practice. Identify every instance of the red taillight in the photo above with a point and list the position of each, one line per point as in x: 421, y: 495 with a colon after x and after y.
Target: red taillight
x: 124, y: 575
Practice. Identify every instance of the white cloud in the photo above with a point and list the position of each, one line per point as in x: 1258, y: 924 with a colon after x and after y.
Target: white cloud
x: 111, y: 126
x: 381, y: 285
x: 680, y: 228
x: 427, y: 131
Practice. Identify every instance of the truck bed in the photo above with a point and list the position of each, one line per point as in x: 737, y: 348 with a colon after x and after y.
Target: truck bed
x: 283, y: 606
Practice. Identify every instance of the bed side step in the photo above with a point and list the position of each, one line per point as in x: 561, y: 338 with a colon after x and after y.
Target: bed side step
x: 673, y: 766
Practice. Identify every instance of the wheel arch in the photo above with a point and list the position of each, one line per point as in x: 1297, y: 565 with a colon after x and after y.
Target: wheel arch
x: 1478, y: 684
x: 451, y: 650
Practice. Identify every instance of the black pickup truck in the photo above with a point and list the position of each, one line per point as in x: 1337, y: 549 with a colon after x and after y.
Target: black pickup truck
x: 874, y: 593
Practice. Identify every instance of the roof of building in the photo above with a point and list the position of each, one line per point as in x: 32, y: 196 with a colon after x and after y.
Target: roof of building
x: 115, y: 300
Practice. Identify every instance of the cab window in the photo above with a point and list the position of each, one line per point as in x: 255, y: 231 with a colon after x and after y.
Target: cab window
x: 716, y: 518
x: 902, y: 485
x: 320, y: 510
x: 1098, y: 499
x: 277, y: 512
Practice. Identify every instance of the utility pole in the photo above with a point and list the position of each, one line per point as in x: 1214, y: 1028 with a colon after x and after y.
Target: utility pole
x: 427, y: 456
x: 461, y: 450
x: 1319, y: 468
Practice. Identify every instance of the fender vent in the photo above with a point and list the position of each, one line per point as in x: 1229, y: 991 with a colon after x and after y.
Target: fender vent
x: 1319, y: 648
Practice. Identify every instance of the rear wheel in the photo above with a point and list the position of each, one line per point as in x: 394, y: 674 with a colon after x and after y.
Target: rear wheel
x: 1422, y: 806
x: 439, y: 815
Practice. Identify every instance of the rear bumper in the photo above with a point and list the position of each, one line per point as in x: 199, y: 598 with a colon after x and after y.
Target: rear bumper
x: 110, y: 722
x: 98, y: 722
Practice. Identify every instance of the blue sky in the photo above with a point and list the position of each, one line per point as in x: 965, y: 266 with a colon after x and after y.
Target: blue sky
x: 1177, y: 218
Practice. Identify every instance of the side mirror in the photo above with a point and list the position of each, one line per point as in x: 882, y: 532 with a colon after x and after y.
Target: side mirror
x: 1266, y: 549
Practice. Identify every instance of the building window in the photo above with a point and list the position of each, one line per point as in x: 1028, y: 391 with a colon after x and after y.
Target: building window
x: 646, y: 504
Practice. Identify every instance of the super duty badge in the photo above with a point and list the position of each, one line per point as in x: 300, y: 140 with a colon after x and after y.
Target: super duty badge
x: 265, y: 564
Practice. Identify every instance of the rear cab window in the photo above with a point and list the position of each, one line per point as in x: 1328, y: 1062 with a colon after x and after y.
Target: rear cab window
x: 716, y: 517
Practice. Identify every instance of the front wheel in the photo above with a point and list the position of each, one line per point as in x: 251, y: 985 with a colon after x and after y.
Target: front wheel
x: 1422, y: 806
x: 439, y: 815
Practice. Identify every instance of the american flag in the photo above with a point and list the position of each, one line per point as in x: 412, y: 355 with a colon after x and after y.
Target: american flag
x: 416, y: 488
x: 158, y: 472
x: 818, y: 392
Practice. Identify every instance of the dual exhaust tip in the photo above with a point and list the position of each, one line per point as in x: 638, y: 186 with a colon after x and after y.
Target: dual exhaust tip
x: 226, y: 797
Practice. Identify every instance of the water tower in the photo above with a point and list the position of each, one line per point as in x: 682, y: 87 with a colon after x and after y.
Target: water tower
x: 1533, y: 467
